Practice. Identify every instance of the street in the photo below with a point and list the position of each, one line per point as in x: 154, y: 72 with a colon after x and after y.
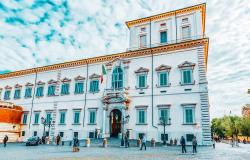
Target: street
x: 51, y: 152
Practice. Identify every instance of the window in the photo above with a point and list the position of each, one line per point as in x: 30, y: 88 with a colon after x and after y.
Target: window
x: 94, y: 85
x: 143, y: 41
x: 163, y: 79
x: 39, y: 91
x: 23, y: 133
x: 76, y: 117
x: 141, y: 114
x: 48, y: 117
x: 17, y: 94
x: 142, y: 78
x: 189, y: 137
x: 76, y: 134
x: 65, y: 89
x: 186, y: 32
x: 47, y: 133
x: 143, y: 29
x: 140, y: 135
x: 184, y: 20
x: 25, y: 118
x: 28, y: 91
x: 117, y: 78
x: 7, y: 95
x: 79, y: 87
x: 62, y: 117
x: 162, y: 137
x: 163, y: 36
x: 61, y: 134
x: 164, y: 114
x: 36, y: 120
x: 189, y: 117
x: 92, y: 117
x: 187, y: 76
x: 51, y: 90
x: 35, y: 133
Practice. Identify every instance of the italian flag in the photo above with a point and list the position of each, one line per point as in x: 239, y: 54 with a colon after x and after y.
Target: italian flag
x: 103, y: 72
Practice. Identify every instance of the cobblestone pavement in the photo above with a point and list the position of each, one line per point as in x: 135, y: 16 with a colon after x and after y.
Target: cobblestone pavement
x: 50, y: 152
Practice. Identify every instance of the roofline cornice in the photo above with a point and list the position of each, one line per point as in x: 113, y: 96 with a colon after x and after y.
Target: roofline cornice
x: 130, y: 54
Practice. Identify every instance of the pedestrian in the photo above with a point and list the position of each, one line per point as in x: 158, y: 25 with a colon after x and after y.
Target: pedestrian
x: 232, y: 142
x: 5, y: 140
x: 58, y: 139
x: 213, y: 141
x: 171, y: 141
x: 75, y: 144
x: 194, y: 142
x: 175, y: 141
x: 96, y: 133
x: 126, y: 141
x: 43, y: 139
x: 183, y: 144
x: 143, y: 142
x: 244, y: 141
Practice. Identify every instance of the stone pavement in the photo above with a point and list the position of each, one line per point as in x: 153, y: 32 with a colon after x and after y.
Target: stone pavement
x: 50, y: 152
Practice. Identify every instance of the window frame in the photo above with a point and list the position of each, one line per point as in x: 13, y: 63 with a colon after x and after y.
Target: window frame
x: 17, y: 93
x: 138, y: 80
x: 189, y: 32
x: 140, y: 41
x: 160, y: 32
x: 95, y: 113
x: 63, y: 90
x: 188, y: 107
x: 36, y: 119
x: 138, y: 119
x: 117, y: 82
x: 24, y: 118
x: 60, y: 117
x: 77, y: 88
x: 168, y: 114
x: 7, y: 96
x: 95, y: 90
x: 191, y: 76
x: 74, y: 116
x: 26, y: 95
x: 41, y: 94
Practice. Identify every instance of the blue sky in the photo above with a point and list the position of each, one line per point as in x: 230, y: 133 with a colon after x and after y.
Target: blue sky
x: 41, y: 32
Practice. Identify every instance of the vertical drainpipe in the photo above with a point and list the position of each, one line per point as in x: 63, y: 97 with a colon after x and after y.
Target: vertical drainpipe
x: 85, y: 95
x: 32, y: 101
x: 152, y: 75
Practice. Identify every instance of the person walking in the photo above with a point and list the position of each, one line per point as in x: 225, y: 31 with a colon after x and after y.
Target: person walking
x: 58, y: 139
x: 194, y: 142
x: 183, y: 144
x: 126, y: 141
x: 143, y: 142
x: 5, y: 140
x: 213, y: 141
x: 75, y: 144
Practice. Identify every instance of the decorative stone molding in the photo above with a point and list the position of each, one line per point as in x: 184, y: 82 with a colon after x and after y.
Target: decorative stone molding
x: 52, y: 81
x: 142, y: 70
x: 189, y: 104
x: 29, y: 84
x: 163, y: 68
x: 79, y: 78
x: 187, y: 64
x: 94, y: 76
x: 148, y: 51
x: 8, y: 87
x: 65, y: 80
x: 164, y: 105
x: 40, y: 83
x: 141, y: 106
x: 18, y: 86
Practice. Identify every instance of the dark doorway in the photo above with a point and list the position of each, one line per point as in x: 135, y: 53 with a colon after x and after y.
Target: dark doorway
x: 115, y: 123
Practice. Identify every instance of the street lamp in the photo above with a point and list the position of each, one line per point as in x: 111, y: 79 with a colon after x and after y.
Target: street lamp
x: 124, y: 121
x: 164, y: 121
x: 48, y: 123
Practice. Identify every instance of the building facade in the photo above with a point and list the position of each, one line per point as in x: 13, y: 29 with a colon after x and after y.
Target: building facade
x: 162, y: 76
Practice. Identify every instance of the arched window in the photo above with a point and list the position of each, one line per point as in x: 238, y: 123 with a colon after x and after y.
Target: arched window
x: 117, y: 78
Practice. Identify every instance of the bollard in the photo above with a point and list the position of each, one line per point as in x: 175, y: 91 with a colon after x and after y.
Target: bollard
x: 139, y: 142
x: 87, y: 142
x: 152, y: 142
x: 105, y: 143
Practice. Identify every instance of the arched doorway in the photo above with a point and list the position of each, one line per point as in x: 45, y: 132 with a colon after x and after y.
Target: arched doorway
x: 115, y: 122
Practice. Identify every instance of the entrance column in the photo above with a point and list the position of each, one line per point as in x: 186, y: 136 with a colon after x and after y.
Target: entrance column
x: 104, y: 122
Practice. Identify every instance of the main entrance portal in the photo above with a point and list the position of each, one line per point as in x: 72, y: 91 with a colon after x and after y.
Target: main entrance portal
x: 115, y: 122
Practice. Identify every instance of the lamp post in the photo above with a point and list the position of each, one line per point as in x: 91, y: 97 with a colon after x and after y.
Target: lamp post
x: 48, y: 123
x: 164, y: 121
x: 125, y: 120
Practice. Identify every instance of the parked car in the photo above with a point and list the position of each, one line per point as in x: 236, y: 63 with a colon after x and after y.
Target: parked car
x: 33, y: 141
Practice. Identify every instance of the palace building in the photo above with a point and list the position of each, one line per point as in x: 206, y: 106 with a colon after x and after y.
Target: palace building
x: 161, y: 77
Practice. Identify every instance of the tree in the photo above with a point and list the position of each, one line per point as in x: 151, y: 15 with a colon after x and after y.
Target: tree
x: 232, y: 126
x: 218, y: 128
x: 245, y: 127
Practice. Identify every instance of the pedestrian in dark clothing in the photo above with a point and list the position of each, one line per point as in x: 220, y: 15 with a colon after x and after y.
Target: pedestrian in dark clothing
x: 58, y: 139
x: 143, y: 142
x: 126, y: 141
x: 213, y: 141
x: 183, y: 144
x: 43, y: 139
x: 75, y: 144
x: 5, y: 140
x: 194, y: 141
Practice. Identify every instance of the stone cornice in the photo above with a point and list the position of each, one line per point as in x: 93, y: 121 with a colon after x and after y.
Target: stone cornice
x: 130, y: 54
x: 201, y: 7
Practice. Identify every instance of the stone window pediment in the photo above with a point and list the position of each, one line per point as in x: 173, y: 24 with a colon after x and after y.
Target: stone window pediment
x: 40, y: 83
x: 79, y: 78
x: 163, y: 68
x: 186, y: 64
x: 8, y: 87
x: 142, y: 70
x: 18, y: 86
x: 164, y: 105
x: 28, y: 84
x: 94, y: 76
x: 52, y: 81
x: 65, y: 80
